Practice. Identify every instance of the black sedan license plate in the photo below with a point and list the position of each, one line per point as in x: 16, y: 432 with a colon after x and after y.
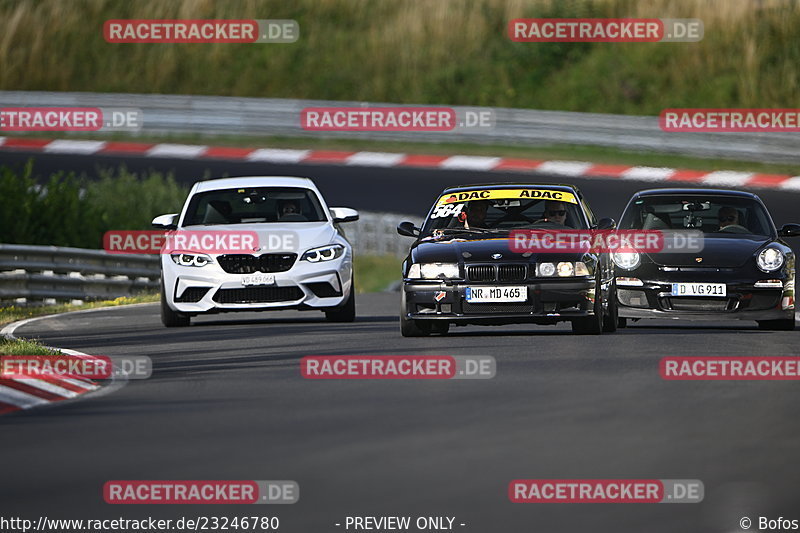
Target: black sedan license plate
x: 497, y: 294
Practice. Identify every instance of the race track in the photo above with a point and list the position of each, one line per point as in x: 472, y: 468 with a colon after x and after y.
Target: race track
x: 227, y: 401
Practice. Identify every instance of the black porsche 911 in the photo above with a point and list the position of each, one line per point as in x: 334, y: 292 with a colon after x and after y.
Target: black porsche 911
x: 462, y: 268
x: 744, y: 271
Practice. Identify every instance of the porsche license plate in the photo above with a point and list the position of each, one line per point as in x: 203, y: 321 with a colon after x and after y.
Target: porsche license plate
x: 258, y: 279
x: 477, y: 295
x: 699, y: 289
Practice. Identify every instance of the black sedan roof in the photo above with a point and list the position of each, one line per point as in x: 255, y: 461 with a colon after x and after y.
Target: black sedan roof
x: 699, y: 192
x: 505, y: 185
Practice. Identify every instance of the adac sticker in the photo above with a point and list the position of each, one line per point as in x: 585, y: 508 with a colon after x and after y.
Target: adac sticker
x: 507, y: 194
x: 439, y: 296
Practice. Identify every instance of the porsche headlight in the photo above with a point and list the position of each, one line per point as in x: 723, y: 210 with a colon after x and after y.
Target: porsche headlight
x: 626, y: 260
x: 323, y: 253
x: 188, y: 259
x: 433, y: 270
x: 770, y: 259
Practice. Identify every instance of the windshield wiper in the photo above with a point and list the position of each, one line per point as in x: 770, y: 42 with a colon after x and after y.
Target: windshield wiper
x: 451, y: 231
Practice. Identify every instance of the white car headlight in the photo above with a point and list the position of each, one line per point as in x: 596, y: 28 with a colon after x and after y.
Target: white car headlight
x: 626, y: 260
x: 770, y: 259
x: 433, y: 270
x: 323, y: 253
x: 191, y: 259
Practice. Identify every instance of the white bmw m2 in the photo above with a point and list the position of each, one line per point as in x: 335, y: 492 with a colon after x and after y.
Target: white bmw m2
x: 256, y: 244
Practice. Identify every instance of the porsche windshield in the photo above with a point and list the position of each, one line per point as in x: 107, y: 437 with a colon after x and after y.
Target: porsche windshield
x: 252, y: 205
x: 719, y: 215
x: 504, y: 210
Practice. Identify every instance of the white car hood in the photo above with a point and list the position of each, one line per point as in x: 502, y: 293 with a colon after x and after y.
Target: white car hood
x: 302, y: 235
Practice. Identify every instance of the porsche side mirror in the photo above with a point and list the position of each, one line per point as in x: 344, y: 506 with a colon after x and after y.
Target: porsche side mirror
x: 789, y: 230
x: 606, y: 223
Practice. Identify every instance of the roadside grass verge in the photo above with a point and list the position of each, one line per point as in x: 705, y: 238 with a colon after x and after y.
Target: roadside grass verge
x: 374, y: 273
x: 24, y: 347
x: 16, y: 312
x: 416, y: 51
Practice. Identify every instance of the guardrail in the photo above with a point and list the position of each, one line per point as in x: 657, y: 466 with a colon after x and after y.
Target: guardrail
x: 221, y: 115
x: 51, y: 273
x: 40, y: 273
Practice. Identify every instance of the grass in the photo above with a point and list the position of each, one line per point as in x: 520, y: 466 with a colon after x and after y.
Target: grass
x: 416, y: 51
x: 14, y: 313
x: 24, y: 347
x: 375, y: 273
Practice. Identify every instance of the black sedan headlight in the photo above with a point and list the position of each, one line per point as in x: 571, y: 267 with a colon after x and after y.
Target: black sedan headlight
x: 433, y: 271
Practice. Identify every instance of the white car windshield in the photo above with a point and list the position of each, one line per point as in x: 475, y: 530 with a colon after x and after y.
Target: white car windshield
x: 253, y: 205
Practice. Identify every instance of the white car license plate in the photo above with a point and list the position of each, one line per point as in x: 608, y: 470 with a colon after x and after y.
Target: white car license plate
x: 699, y: 289
x: 258, y: 279
x: 477, y: 295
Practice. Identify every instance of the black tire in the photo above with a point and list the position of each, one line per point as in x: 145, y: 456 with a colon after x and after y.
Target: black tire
x: 440, y: 327
x: 170, y: 318
x: 413, y: 328
x: 786, y: 324
x: 591, y: 325
x: 611, y: 320
x: 345, y: 313
x: 622, y: 322
x: 408, y: 326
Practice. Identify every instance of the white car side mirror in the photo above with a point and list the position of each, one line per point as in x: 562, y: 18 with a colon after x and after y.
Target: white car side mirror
x: 344, y: 214
x: 166, y: 221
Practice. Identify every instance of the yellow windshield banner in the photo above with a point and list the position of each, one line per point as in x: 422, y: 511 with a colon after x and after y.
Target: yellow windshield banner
x: 507, y: 194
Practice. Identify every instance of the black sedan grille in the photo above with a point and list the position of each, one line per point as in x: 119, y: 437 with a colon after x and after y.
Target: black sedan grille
x: 500, y: 308
x: 510, y: 272
x: 248, y: 264
x: 251, y: 295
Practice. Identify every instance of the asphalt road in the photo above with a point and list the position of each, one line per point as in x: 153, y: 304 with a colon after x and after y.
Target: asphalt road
x: 227, y: 401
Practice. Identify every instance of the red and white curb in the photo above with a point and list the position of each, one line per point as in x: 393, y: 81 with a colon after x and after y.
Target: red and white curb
x: 21, y: 394
x: 569, y: 169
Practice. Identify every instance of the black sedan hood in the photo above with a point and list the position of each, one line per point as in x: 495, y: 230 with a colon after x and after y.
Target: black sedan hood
x: 479, y: 251
x: 720, y: 252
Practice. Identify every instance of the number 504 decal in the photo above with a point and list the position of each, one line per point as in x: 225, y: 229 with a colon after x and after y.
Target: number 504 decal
x: 442, y: 211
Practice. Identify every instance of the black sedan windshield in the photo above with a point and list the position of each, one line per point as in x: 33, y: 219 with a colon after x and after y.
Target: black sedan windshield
x: 504, y: 214
x: 719, y: 215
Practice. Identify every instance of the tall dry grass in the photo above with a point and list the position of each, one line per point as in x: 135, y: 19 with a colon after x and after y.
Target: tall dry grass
x: 420, y: 51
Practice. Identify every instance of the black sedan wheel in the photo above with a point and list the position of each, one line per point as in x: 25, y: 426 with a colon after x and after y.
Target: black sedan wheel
x: 592, y: 325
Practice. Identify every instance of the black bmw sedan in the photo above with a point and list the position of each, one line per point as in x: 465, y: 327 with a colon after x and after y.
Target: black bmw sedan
x: 744, y: 271
x: 463, y: 268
